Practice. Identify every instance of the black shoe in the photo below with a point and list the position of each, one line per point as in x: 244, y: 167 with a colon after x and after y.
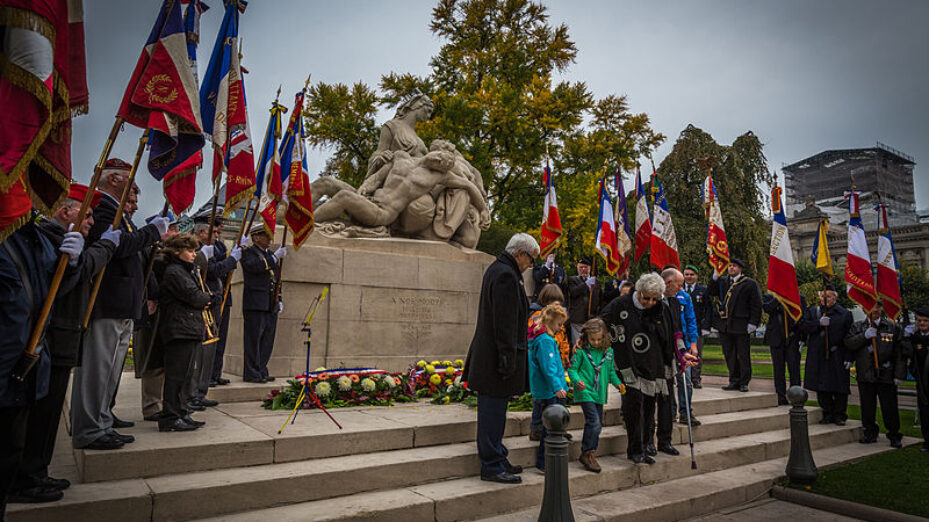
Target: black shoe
x: 513, y: 470
x: 743, y: 388
x: 121, y: 424
x: 731, y: 387
x: 650, y: 450
x: 669, y: 449
x: 222, y: 382
x: 192, y: 422
x: 127, y: 439
x: 925, y: 448
x: 698, y: 385
x: 642, y: 459
x: 34, y: 495
x: 177, y: 425
x: 568, y: 436
x: 259, y: 380
x: 693, y: 420
x: 269, y: 378
x: 209, y: 403
x: 782, y: 401
x: 867, y: 440
x: 840, y: 422
x: 503, y: 478
x: 106, y: 442
x: 54, y: 483
x: 535, y: 435
x: 213, y: 384
x: 896, y: 442
x: 826, y: 420
x: 157, y: 416
x: 195, y: 405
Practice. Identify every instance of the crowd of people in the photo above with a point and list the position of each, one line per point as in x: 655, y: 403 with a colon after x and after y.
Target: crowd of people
x: 162, y: 292
x: 645, y: 337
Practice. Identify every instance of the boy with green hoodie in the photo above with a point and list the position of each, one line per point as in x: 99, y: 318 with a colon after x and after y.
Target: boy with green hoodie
x: 592, y: 372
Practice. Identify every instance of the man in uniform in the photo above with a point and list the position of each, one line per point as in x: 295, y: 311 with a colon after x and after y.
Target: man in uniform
x: 260, y: 271
x: 583, y: 297
x: 547, y: 274
x: 783, y: 339
x: 703, y: 313
x: 875, y: 345
x: 107, y: 337
x: 739, y: 313
x: 916, y: 350
x: 825, y: 327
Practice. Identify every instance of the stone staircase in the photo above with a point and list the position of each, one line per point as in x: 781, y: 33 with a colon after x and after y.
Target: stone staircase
x: 417, y: 462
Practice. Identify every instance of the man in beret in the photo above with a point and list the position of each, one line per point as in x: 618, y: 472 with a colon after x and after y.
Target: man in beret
x: 703, y: 312
x: 260, y: 272
x: 916, y: 352
x: 63, y: 343
x: 825, y: 327
x: 583, y: 297
x: 739, y: 314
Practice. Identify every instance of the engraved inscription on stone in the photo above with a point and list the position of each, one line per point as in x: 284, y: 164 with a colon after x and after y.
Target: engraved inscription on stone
x: 435, y: 306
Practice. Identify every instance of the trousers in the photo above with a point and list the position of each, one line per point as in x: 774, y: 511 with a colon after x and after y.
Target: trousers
x: 869, y: 393
x: 42, y: 429
x: 258, y: 338
x: 491, y: 423
x: 737, y: 351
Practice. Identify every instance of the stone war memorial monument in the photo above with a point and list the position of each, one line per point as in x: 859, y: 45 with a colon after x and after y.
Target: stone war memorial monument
x: 397, y: 256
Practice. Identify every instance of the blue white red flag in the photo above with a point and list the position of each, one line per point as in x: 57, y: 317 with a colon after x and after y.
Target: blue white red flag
x: 858, y: 273
x: 605, y: 242
x: 716, y: 245
x: 621, y: 219
x: 551, y: 220
x: 268, y: 173
x: 664, y: 241
x: 782, y: 275
x: 888, y: 270
x: 295, y: 178
x: 643, y: 218
x: 162, y: 95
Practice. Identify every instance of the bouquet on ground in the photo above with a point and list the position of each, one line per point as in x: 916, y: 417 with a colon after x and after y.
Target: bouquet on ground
x: 344, y: 387
x: 439, y: 381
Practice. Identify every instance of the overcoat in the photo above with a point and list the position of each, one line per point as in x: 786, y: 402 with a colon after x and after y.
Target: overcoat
x: 825, y: 366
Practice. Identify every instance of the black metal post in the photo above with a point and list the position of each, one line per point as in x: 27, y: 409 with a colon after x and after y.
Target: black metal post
x: 800, y: 466
x: 556, y: 502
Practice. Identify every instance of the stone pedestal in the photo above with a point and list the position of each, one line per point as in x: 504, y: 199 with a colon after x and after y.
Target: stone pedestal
x: 391, y: 302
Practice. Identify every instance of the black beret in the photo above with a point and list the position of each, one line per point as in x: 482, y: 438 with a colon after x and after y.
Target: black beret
x: 584, y: 261
x: 922, y: 312
x: 738, y: 262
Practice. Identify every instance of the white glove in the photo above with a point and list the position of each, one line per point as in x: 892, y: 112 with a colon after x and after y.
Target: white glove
x: 909, y: 330
x: 161, y: 223
x: 591, y: 281
x: 280, y: 253
x: 751, y: 329
x: 236, y: 253
x: 898, y: 382
x: 870, y: 333
x: 848, y: 365
x: 715, y: 275
x: 870, y: 349
x: 705, y: 332
x: 73, y: 245
x: 280, y: 307
x: 245, y: 242
x: 824, y: 320
x: 111, y: 235
x: 714, y: 330
x: 207, y: 251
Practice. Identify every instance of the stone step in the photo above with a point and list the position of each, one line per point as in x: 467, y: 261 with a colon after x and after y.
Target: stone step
x: 696, y: 495
x: 244, y: 434
x: 240, y: 391
x: 189, y: 495
x: 469, y: 498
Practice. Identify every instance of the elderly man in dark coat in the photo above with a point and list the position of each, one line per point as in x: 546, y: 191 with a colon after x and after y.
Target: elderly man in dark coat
x: 739, y: 315
x: 783, y: 339
x: 825, y: 328
x: 916, y: 351
x: 497, y: 362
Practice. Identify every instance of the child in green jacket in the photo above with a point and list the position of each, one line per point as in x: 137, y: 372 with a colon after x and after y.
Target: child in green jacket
x: 592, y: 372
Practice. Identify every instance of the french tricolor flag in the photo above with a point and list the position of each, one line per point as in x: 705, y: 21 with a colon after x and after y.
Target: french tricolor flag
x: 551, y: 220
x: 858, y: 273
x: 268, y: 188
x: 606, y: 233
x: 643, y: 218
x: 664, y: 240
x: 782, y: 276
x: 888, y: 270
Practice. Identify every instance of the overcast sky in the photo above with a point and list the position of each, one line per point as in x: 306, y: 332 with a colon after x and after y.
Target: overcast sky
x: 804, y: 76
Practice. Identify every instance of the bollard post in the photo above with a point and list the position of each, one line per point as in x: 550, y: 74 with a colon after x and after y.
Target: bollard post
x: 800, y: 466
x: 556, y: 502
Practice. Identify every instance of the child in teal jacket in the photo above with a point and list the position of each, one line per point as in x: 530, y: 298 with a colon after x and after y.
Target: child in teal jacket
x: 591, y: 373
x: 546, y: 372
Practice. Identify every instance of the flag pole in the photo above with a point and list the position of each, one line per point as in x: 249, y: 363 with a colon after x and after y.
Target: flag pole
x: 29, y: 357
x: 117, y: 219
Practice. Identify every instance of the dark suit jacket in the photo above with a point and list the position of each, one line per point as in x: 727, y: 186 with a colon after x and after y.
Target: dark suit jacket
x: 498, y: 363
x: 260, y: 272
x: 774, y: 331
x: 703, y: 308
x: 120, y: 294
x: 741, y: 305
x: 579, y: 299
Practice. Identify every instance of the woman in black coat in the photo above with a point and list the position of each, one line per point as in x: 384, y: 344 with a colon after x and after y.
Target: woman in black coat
x: 181, y: 326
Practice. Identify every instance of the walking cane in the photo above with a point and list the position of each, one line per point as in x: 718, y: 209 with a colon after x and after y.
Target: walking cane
x: 678, y: 341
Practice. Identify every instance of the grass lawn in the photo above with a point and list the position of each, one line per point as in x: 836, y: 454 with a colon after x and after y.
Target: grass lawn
x: 896, y: 480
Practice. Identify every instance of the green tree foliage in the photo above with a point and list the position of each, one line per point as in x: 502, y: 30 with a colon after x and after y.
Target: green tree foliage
x: 492, y: 86
x: 740, y: 172
x: 915, y: 286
